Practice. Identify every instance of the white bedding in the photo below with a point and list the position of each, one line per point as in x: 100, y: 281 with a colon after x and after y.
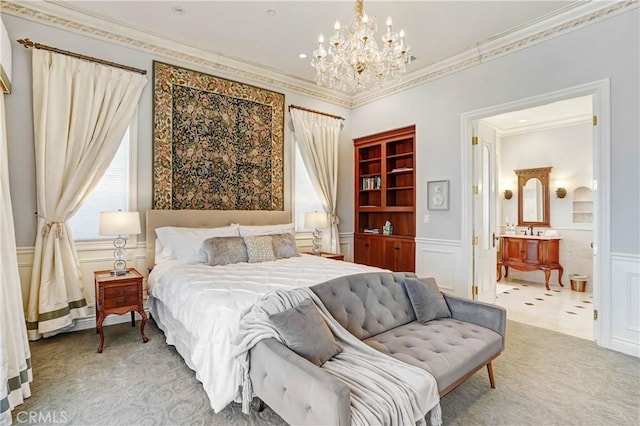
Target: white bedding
x: 208, y: 301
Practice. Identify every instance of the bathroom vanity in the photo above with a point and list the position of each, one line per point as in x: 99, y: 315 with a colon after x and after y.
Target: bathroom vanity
x: 530, y: 253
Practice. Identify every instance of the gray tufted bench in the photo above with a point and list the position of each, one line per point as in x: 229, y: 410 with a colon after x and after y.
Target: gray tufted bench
x: 375, y: 308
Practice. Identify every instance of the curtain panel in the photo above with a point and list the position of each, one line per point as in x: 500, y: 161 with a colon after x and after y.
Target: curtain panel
x: 318, y: 137
x: 15, y: 356
x: 81, y: 111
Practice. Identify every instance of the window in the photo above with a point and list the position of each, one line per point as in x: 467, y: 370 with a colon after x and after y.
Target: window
x: 306, y: 199
x: 110, y: 194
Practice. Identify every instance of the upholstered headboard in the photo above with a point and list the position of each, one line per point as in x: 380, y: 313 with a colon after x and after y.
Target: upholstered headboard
x: 206, y: 219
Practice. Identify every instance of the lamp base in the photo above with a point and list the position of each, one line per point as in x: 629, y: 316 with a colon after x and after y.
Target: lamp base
x: 119, y: 264
x: 316, y: 242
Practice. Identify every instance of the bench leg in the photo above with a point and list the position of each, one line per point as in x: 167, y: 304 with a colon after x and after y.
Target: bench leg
x: 492, y: 381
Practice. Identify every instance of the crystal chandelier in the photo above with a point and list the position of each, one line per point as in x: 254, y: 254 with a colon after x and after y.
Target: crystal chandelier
x: 353, y: 62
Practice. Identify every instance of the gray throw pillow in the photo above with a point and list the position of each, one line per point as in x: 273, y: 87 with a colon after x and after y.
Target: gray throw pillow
x: 284, y: 245
x: 426, y: 299
x: 306, y: 333
x: 225, y: 250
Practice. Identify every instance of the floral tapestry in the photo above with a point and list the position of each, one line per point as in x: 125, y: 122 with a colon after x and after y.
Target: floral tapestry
x: 218, y: 144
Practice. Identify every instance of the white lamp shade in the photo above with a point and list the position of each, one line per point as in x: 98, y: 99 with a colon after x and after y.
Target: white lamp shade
x: 119, y: 223
x: 316, y: 220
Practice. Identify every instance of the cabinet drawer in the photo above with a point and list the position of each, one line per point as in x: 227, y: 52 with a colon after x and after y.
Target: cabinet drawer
x: 129, y: 290
x: 120, y: 302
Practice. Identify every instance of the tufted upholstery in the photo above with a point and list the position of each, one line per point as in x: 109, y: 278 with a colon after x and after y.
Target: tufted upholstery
x: 367, y: 304
x: 375, y: 308
x: 444, y: 347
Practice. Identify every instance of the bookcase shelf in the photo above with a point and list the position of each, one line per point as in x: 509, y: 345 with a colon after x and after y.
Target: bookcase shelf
x: 391, y: 157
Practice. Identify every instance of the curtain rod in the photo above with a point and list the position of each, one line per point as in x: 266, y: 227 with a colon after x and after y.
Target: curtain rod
x: 313, y: 110
x: 28, y: 43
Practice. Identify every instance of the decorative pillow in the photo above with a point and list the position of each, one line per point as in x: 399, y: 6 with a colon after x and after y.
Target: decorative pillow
x: 259, y: 248
x: 246, y: 231
x: 306, y: 333
x: 284, y: 245
x: 426, y: 299
x: 225, y: 250
x: 185, y: 244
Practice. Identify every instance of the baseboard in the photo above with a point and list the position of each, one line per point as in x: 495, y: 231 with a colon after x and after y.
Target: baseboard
x: 625, y: 346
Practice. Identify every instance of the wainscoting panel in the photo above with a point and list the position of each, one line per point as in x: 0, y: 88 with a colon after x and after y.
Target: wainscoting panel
x: 346, y: 245
x: 625, y: 303
x: 441, y: 259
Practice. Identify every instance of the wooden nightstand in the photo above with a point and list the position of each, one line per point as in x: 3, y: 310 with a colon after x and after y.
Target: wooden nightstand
x: 335, y: 256
x: 119, y: 295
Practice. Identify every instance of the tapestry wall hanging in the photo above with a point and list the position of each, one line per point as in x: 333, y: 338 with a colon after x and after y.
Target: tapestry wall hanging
x: 217, y: 144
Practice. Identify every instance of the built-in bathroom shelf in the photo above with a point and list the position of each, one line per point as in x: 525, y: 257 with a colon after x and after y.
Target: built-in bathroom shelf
x: 582, y: 205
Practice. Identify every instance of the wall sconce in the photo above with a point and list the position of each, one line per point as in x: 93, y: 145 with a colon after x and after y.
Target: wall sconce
x: 508, y: 194
x: 561, y: 192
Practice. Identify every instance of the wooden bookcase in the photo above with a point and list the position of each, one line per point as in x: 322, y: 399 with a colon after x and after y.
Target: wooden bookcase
x: 385, y: 182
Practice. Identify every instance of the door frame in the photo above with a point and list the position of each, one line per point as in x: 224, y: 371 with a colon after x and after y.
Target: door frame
x: 600, y: 90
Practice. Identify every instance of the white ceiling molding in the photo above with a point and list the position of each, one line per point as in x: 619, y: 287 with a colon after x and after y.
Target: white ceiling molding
x: 58, y: 16
x: 66, y: 19
x: 573, y: 18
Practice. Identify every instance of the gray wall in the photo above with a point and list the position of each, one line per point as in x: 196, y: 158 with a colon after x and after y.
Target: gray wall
x: 20, y: 121
x: 607, y: 49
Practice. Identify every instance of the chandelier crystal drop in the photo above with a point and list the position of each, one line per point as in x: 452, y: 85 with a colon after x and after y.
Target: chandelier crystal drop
x: 352, y: 61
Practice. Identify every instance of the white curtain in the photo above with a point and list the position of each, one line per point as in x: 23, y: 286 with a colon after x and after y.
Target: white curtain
x: 81, y: 111
x: 318, y: 136
x: 15, y: 356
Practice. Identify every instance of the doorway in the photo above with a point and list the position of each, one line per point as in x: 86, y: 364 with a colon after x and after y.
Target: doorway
x: 486, y: 213
x: 558, y: 138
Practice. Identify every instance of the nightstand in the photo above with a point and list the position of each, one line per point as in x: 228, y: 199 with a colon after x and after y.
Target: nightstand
x: 119, y: 295
x: 334, y: 256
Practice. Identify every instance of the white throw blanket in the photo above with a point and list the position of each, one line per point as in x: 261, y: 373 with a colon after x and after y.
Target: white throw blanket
x: 383, y: 390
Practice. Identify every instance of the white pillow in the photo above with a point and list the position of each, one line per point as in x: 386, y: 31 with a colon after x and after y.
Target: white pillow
x: 185, y: 244
x: 251, y: 231
x: 162, y: 253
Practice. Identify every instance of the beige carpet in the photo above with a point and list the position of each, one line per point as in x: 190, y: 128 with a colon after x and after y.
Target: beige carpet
x: 543, y: 378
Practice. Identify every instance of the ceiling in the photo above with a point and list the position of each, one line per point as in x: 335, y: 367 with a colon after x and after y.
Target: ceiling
x: 555, y: 113
x: 271, y: 34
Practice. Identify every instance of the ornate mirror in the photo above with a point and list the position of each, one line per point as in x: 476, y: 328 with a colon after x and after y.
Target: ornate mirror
x: 533, y: 196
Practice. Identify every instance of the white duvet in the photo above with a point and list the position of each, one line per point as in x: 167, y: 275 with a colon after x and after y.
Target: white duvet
x: 209, y: 301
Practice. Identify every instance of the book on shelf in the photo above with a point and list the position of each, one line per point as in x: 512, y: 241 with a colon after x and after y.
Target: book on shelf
x: 371, y: 231
x: 401, y: 169
x: 369, y: 183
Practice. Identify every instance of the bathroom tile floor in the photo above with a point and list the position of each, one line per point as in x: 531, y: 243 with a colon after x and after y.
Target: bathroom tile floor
x: 559, y: 309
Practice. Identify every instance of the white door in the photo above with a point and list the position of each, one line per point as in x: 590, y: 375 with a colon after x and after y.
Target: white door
x: 484, y: 214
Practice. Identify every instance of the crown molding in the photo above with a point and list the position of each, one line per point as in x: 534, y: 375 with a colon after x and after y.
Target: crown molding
x: 58, y: 16
x: 571, y: 18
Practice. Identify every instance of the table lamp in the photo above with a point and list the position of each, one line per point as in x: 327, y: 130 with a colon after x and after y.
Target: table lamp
x: 119, y: 224
x: 316, y: 220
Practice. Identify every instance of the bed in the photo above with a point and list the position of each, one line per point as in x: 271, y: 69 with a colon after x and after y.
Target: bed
x: 198, y: 307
